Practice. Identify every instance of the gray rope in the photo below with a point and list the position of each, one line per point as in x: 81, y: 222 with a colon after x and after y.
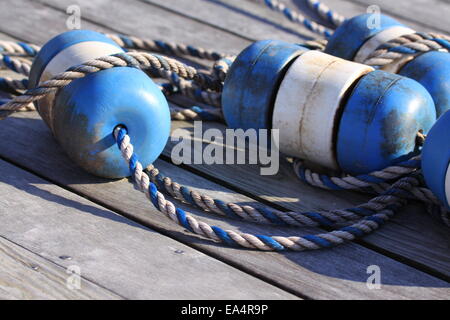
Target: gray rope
x: 326, y: 13
x: 407, y: 45
x: 386, y: 204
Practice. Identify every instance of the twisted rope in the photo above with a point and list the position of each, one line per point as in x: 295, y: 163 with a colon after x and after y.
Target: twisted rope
x: 13, y: 85
x: 386, y: 204
x: 407, y: 45
x: 132, y: 59
x: 373, y: 182
x: 169, y: 48
x: 365, y: 218
x: 15, y: 64
x: 13, y: 48
x: 326, y: 13
x: 318, y: 44
x: 195, y: 113
x: 297, y: 17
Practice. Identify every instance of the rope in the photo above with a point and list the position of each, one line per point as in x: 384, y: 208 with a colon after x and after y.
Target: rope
x: 407, y: 45
x: 297, y: 17
x: 13, y: 48
x: 146, y: 61
x: 310, y: 218
x: 386, y: 205
x: 168, y: 48
x: 192, y: 83
x: 373, y: 182
x: 15, y: 64
x: 12, y: 85
x: 326, y: 13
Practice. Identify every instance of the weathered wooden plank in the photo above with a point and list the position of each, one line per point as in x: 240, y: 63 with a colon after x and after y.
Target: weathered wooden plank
x: 254, y: 20
x: 25, y: 275
x: 430, y: 249
x: 243, y: 18
x: 140, y: 19
x: 285, y: 185
x: 325, y: 274
x: 114, y: 252
x: 37, y: 23
x: 282, y: 201
x: 418, y: 18
x: 432, y: 14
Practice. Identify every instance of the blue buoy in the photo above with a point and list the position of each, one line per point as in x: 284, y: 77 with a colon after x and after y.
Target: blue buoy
x: 338, y: 114
x: 380, y: 122
x: 356, y: 39
x: 252, y: 82
x: 84, y: 114
x: 432, y: 70
x: 436, y: 159
x: 348, y: 39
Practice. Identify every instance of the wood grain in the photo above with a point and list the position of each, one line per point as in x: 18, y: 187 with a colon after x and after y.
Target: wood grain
x: 130, y: 260
x: 429, y: 250
x: 337, y: 273
x: 325, y: 274
x: 25, y: 275
x: 134, y: 18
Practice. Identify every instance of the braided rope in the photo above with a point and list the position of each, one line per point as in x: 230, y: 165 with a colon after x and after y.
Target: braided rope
x: 13, y: 48
x: 407, y: 45
x: 17, y: 65
x: 13, y: 85
x: 195, y: 113
x: 377, y: 181
x: 318, y: 44
x: 169, y: 48
x: 297, y: 17
x: 132, y: 59
x: 386, y: 204
x: 326, y: 13
x: 368, y: 216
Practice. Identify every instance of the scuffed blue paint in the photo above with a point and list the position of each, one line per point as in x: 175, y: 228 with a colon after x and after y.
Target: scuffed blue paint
x: 252, y: 82
x: 436, y: 157
x: 353, y: 33
x: 380, y: 121
x: 87, y: 111
x: 432, y: 70
x: 59, y: 43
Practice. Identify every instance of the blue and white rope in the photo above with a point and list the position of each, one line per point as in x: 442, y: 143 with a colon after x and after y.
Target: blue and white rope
x: 388, y: 203
x: 22, y: 49
x: 407, y: 45
x: 297, y: 17
x: 327, y: 14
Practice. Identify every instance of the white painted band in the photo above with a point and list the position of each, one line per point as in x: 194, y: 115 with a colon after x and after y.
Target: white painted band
x: 307, y: 105
x: 71, y: 56
x: 447, y: 184
x: 380, y: 38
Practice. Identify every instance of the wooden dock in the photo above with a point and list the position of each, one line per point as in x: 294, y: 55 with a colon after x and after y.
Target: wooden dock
x: 55, y: 217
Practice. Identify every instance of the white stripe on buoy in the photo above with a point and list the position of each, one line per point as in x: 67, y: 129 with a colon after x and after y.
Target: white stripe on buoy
x: 307, y: 104
x: 447, y: 185
x: 382, y: 37
x: 71, y: 56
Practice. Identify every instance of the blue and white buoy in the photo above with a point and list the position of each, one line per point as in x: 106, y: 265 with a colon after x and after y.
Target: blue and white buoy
x: 329, y: 111
x: 84, y: 114
x: 356, y: 39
